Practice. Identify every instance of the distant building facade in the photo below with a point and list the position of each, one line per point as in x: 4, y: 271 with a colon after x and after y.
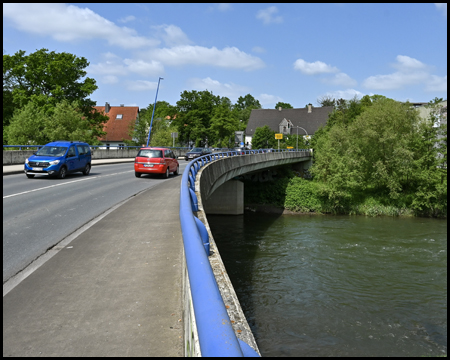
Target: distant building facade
x: 288, y: 121
x: 118, y: 125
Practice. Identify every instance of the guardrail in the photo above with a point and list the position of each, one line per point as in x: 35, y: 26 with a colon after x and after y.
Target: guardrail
x: 215, y: 333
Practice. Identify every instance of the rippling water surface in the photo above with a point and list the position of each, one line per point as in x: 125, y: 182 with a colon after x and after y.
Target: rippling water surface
x: 339, y: 285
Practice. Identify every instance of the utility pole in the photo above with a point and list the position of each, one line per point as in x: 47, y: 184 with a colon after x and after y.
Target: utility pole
x: 153, y: 113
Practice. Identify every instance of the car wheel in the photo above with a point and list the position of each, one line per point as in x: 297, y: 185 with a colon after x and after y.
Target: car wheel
x: 30, y: 176
x: 137, y: 174
x: 87, y: 169
x: 62, y: 172
x: 166, y: 174
x: 177, y: 171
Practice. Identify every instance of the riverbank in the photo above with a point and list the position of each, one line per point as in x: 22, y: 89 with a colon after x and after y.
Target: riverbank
x: 290, y: 194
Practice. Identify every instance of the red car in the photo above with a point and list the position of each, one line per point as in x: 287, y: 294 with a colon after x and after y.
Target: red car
x: 155, y: 160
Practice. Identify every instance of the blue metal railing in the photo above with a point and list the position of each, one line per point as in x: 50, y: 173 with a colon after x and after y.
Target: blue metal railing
x: 215, y: 333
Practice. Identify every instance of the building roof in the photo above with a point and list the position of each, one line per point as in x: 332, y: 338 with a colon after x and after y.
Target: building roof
x: 299, y: 117
x: 117, y: 128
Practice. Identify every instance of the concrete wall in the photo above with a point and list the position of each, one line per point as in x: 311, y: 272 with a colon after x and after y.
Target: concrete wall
x: 228, y: 199
x: 14, y: 157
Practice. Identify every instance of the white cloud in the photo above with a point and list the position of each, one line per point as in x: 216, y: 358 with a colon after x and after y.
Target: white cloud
x: 410, y: 72
x: 437, y: 83
x: 406, y: 63
x: 230, y: 90
x: 268, y: 15
x: 141, y: 85
x: 143, y: 68
x: 107, y: 68
x: 172, y: 35
x: 229, y: 57
x: 344, y: 94
x: 340, y: 79
x: 268, y: 101
x: 110, y: 79
x: 314, y: 68
x: 127, y: 19
x: 70, y: 23
x: 442, y: 7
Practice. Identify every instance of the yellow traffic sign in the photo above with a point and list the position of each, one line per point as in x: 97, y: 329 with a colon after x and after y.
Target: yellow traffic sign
x: 278, y: 136
x: 290, y: 147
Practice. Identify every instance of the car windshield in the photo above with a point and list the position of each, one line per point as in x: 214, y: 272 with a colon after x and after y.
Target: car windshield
x: 54, y: 151
x: 150, y: 153
x: 197, y: 150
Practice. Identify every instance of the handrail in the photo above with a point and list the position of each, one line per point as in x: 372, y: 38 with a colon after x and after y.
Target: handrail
x: 215, y: 332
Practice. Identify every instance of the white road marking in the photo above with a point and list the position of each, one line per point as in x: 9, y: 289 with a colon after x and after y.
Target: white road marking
x: 69, y: 182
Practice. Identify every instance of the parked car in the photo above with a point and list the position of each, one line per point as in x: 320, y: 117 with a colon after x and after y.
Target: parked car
x: 59, y: 158
x: 156, y: 160
x: 196, y: 152
x: 241, y: 150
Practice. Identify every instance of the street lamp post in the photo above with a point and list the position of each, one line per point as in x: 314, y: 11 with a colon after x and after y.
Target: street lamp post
x: 297, y: 134
x: 153, y: 113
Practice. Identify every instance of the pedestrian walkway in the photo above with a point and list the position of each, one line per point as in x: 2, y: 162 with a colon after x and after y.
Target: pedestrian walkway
x: 115, y: 290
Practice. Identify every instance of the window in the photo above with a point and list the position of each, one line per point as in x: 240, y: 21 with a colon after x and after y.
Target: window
x: 71, y: 151
x: 119, y: 117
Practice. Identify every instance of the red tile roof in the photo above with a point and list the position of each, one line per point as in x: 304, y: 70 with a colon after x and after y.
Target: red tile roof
x: 117, y: 129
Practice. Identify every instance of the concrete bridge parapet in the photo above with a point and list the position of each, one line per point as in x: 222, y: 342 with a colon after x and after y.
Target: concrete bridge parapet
x: 221, y: 196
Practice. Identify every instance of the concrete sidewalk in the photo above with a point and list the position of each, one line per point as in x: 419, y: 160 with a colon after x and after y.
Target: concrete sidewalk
x: 115, y: 290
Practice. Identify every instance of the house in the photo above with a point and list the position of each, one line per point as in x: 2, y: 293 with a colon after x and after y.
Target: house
x: 118, y: 125
x: 288, y: 121
x: 425, y: 112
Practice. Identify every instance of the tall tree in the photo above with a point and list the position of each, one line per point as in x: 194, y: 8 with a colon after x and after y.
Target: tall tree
x: 195, y: 110
x: 139, y: 130
x: 283, y: 105
x: 47, y: 78
x: 264, y: 138
x: 32, y: 125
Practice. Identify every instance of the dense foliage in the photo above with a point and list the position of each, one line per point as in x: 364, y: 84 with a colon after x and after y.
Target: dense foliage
x: 47, y: 79
x: 375, y: 156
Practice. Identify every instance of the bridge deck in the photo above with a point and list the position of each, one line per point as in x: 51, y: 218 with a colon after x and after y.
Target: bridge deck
x: 113, y: 291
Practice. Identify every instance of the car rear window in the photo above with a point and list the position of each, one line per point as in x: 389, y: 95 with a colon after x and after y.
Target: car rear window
x: 55, y: 151
x: 150, y: 153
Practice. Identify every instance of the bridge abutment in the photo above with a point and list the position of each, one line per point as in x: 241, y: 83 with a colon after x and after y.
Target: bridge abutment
x: 227, y: 199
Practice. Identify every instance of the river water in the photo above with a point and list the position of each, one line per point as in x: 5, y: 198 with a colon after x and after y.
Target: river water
x: 338, y: 285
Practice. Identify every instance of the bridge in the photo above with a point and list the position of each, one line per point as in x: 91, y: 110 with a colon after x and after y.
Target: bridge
x: 207, y: 186
x: 214, y: 322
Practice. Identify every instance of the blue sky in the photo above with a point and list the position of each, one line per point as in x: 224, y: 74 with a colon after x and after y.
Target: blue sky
x: 294, y: 53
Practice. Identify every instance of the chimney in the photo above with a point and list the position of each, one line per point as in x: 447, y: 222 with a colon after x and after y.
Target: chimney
x: 279, y: 109
x: 107, y: 108
x: 309, y: 108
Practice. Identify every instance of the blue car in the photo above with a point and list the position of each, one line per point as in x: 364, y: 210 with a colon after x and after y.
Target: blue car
x: 59, y: 158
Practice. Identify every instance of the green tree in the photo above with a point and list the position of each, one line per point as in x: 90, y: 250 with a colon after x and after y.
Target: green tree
x: 195, y: 110
x: 222, y: 126
x: 326, y: 100
x: 31, y: 125
x: 283, y: 105
x: 243, y: 108
x: 264, y: 138
x: 139, y: 130
x: 46, y: 79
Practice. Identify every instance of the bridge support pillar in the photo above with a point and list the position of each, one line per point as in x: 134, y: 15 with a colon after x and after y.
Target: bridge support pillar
x: 228, y: 199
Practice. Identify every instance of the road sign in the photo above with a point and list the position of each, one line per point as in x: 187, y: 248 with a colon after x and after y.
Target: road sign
x: 278, y: 136
x: 290, y: 147
x: 174, y: 134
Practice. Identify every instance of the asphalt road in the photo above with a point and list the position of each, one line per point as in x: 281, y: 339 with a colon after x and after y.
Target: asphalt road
x: 38, y: 213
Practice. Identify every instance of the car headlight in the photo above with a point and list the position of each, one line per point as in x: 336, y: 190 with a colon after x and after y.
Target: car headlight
x: 54, y: 162
x: 26, y: 161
